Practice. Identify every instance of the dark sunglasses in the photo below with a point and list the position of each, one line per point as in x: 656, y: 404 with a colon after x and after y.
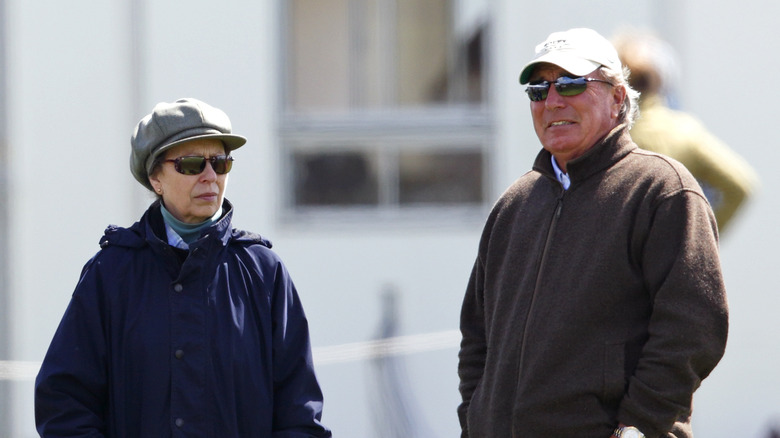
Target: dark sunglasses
x: 564, y: 86
x: 195, y: 164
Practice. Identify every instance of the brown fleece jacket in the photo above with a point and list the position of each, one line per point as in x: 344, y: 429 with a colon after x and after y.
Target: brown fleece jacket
x: 592, y: 306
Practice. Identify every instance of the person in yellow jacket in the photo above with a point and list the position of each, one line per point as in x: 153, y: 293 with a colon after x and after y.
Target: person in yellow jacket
x: 726, y: 178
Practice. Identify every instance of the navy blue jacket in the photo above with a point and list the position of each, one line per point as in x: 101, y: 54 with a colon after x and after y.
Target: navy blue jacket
x: 216, y: 345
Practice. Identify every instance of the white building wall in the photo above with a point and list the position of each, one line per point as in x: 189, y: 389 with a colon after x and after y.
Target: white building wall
x: 730, y: 43
x: 68, y: 127
x: 72, y: 107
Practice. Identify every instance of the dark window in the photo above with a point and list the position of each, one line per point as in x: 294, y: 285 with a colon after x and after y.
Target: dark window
x: 384, y: 104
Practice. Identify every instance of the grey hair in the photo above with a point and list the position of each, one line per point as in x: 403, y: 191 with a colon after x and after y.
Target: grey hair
x: 630, y: 110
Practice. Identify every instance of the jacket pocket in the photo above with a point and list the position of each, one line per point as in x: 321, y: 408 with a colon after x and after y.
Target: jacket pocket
x: 475, y: 415
x: 614, y: 372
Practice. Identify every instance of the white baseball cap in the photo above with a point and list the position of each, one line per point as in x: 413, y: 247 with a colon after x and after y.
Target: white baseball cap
x: 578, y: 51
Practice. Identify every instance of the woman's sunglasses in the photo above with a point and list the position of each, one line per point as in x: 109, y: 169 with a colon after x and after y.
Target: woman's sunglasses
x: 564, y: 86
x: 195, y: 164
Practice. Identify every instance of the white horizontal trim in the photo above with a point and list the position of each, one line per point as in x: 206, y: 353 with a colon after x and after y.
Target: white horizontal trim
x: 395, y: 346
x: 16, y: 370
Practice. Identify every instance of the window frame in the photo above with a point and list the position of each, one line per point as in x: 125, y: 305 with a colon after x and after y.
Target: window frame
x: 462, y: 126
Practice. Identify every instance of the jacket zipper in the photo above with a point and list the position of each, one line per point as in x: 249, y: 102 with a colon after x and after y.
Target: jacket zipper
x: 550, y: 231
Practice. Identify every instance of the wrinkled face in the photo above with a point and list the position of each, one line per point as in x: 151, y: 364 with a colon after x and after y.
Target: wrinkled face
x: 191, y: 198
x: 568, y: 126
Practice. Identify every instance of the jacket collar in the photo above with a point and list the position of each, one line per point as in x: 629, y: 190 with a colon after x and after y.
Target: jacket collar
x: 608, y: 151
x: 143, y: 233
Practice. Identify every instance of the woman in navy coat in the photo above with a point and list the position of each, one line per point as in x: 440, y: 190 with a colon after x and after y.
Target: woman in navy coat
x: 181, y: 325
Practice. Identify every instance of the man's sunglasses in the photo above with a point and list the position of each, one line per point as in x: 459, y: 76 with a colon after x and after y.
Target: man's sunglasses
x: 564, y: 86
x: 195, y: 164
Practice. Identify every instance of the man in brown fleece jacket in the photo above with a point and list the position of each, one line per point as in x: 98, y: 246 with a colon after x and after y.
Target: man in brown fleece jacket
x: 596, y: 304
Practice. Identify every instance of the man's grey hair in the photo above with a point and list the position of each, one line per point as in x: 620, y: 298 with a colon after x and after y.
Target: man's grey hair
x: 630, y: 110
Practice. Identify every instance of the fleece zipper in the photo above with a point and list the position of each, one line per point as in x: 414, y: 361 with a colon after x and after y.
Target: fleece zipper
x: 550, y: 231
x: 542, y: 260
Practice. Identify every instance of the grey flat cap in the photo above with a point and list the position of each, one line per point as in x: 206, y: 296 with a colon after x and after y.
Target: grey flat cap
x: 171, y: 124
